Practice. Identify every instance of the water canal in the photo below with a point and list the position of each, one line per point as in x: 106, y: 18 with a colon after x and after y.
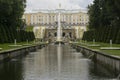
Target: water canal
x: 53, y: 62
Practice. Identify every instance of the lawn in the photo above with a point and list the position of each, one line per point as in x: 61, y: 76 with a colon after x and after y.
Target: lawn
x: 111, y: 52
x: 7, y: 47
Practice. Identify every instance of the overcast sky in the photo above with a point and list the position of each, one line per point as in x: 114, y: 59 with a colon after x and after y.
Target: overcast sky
x: 53, y: 4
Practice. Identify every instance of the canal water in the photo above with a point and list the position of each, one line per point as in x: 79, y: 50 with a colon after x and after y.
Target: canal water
x: 54, y: 62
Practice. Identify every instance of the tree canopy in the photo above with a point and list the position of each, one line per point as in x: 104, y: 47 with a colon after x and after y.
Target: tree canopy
x: 104, y: 21
x: 11, y: 22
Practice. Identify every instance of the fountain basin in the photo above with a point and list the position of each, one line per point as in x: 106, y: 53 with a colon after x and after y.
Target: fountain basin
x: 27, y: 44
x: 0, y: 49
x: 94, y: 45
x: 110, y: 48
x: 15, y: 45
x: 84, y: 44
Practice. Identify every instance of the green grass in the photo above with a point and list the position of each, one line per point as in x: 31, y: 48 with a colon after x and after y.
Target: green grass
x: 7, y: 47
x: 111, y: 52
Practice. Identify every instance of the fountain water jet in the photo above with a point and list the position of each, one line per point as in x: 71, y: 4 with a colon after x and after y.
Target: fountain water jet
x: 59, y: 29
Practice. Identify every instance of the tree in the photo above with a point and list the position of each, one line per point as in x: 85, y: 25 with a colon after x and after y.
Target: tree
x: 94, y: 14
x: 11, y: 23
x: 104, y: 20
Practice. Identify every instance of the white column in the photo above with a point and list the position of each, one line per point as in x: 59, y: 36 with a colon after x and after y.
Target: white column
x: 31, y: 19
x: 61, y: 18
x: 64, y: 17
x: 47, y: 19
x: 77, y: 32
x: 42, y: 20
x: 35, y: 19
x: 55, y: 18
x: 72, y: 19
x: 76, y: 19
x: 41, y: 33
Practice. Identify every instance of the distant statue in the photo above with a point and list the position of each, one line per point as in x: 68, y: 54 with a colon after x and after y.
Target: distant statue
x: 59, y: 5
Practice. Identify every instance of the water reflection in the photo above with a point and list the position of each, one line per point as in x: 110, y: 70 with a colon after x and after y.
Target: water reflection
x: 53, y: 62
x: 11, y: 70
x: 59, y: 59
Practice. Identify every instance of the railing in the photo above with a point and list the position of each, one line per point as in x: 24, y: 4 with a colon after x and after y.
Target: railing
x: 54, y: 24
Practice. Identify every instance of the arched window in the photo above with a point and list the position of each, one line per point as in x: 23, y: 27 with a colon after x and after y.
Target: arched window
x: 55, y: 34
x: 49, y: 34
x: 70, y: 34
x: 63, y: 34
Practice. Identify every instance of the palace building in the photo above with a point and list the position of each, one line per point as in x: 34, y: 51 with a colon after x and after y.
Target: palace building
x: 45, y: 22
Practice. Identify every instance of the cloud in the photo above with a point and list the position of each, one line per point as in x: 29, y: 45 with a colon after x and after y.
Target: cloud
x: 53, y: 4
x: 82, y: 3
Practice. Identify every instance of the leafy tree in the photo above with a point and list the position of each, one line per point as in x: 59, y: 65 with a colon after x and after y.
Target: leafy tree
x: 104, y: 21
x: 11, y: 23
x: 94, y: 14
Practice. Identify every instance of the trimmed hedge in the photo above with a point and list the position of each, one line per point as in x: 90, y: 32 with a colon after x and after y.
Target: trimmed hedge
x: 7, y: 35
x: 105, y: 34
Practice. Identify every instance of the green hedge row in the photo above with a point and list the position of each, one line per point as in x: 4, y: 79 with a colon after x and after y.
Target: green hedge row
x: 11, y: 12
x: 105, y: 34
x: 104, y: 21
x: 7, y: 35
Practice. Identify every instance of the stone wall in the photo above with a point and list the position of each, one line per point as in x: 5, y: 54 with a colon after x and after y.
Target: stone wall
x: 110, y: 62
x: 9, y: 54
